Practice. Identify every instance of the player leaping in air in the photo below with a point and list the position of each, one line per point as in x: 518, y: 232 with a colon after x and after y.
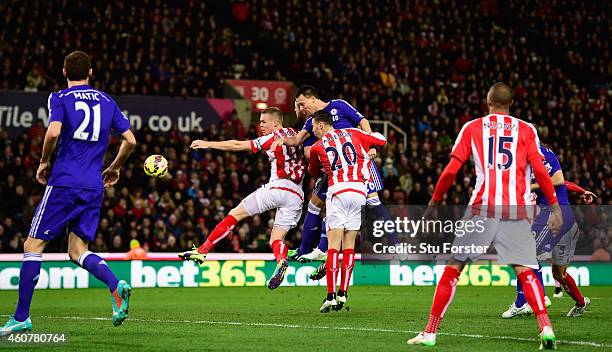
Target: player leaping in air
x: 343, y: 116
x: 283, y: 191
x: 80, y: 122
x: 503, y: 148
x: 560, y: 248
x: 343, y: 154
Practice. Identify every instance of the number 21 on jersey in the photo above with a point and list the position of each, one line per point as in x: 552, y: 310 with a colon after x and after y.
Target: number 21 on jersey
x: 80, y: 133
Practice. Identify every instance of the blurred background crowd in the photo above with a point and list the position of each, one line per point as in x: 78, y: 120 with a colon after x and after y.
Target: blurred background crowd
x: 424, y: 66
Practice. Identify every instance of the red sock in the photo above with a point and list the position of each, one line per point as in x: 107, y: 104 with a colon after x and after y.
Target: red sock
x: 569, y: 285
x: 348, y: 262
x: 223, y: 229
x: 445, y: 291
x: 331, y: 269
x: 534, y: 294
x: 280, y: 250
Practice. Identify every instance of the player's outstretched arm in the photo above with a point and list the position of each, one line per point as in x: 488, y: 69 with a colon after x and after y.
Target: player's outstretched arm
x: 111, y: 174
x: 587, y: 196
x: 51, y: 137
x: 231, y: 145
x: 292, y: 141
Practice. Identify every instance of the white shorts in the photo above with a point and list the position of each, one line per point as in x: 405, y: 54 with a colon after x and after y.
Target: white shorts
x: 343, y: 205
x: 285, y: 196
x: 512, y: 240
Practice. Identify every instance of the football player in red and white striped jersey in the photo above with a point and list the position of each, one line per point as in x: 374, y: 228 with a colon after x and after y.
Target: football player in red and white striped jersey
x: 283, y: 191
x: 504, y: 149
x: 343, y: 153
x: 285, y: 162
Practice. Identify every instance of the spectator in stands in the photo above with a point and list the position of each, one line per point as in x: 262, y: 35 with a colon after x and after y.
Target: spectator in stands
x: 601, y: 253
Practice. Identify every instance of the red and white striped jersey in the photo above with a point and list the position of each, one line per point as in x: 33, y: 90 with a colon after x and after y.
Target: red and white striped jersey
x: 286, y: 162
x: 501, y: 146
x: 344, y: 155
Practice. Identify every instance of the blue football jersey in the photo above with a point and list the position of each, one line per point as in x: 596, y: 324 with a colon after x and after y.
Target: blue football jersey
x: 343, y: 116
x: 552, y: 165
x: 87, y: 116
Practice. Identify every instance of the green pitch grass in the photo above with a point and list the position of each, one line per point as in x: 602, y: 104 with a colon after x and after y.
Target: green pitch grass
x: 256, y: 319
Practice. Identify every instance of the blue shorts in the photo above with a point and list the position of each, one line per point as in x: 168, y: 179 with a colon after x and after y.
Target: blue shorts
x: 545, y: 240
x: 376, y: 183
x: 76, y: 209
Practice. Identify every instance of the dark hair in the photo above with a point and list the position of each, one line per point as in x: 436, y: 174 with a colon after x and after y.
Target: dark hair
x: 322, y: 116
x: 273, y: 110
x: 77, y: 66
x: 307, y: 91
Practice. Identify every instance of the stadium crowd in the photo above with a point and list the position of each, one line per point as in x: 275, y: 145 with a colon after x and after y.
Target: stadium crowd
x: 423, y: 69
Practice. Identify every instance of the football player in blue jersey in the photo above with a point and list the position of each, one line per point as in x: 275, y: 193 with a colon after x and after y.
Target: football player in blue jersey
x: 560, y: 248
x: 80, y: 122
x: 343, y: 116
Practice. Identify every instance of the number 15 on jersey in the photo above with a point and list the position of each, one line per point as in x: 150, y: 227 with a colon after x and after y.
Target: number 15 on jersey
x: 500, y: 150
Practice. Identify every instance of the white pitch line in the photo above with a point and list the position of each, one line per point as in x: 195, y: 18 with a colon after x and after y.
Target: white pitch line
x: 339, y: 328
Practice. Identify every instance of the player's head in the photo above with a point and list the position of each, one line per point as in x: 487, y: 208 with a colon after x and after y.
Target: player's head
x: 299, y: 113
x: 321, y: 123
x: 306, y: 100
x: 499, y: 97
x: 270, y: 120
x: 77, y: 66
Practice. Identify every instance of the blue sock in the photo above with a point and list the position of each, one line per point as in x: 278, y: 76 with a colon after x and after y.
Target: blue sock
x: 323, y: 241
x: 98, y: 268
x: 380, y: 212
x: 538, y: 273
x: 310, y: 230
x: 520, y: 297
x: 28, y: 278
